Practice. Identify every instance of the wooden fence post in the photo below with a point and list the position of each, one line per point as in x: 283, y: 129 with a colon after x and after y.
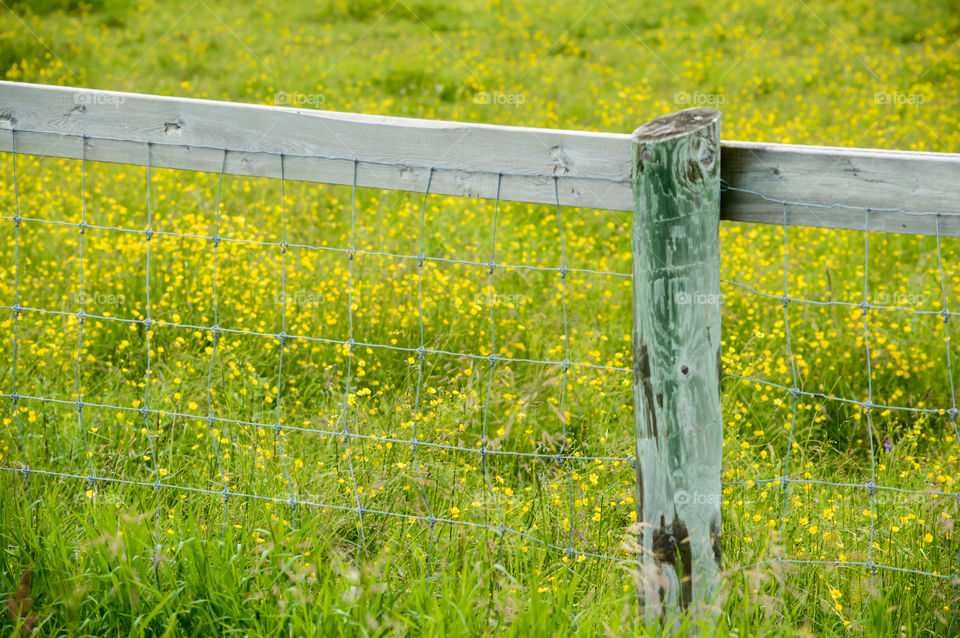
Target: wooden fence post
x: 676, y: 344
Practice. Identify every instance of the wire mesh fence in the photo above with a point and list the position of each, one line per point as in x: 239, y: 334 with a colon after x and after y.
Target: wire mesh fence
x: 282, y: 349
x: 858, y: 361
x: 267, y: 350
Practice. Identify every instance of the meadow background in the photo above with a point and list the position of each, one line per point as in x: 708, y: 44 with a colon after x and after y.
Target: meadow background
x: 94, y: 557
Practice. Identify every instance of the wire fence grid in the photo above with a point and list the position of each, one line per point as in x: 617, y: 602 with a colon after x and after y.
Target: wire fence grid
x: 866, y: 406
x: 343, y: 433
x: 342, y: 430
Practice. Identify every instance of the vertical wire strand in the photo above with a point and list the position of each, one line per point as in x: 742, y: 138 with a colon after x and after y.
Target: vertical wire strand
x: 215, y: 334
x: 14, y: 398
x: 80, y: 320
x: 91, y: 479
x: 563, y: 377
x: 866, y: 411
x: 420, y: 356
x: 282, y: 338
x: 345, y: 433
x: 145, y: 410
x: 945, y: 313
x: 795, y: 390
x: 490, y: 377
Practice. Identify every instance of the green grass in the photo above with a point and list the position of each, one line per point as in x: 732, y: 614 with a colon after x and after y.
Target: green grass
x: 123, y: 557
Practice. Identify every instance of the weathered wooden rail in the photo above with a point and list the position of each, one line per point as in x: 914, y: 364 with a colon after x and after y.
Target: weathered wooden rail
x: 321, y: 146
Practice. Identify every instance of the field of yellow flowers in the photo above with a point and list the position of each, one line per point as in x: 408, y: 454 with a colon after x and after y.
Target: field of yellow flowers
x: 211, y: 480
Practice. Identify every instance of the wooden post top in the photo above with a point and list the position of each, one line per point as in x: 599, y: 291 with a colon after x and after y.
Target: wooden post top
x: 675, y: 125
